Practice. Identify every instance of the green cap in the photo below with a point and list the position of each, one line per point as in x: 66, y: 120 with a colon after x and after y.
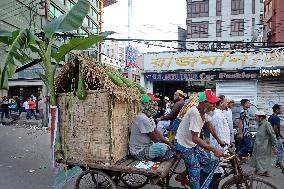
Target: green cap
x: 145, y: 98
x: 202, y: 97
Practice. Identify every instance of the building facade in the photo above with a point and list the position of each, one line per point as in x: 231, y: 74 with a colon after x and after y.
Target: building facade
x: 225, y: 20
x: 34, y: 14
x: 254, y: 76
x: 113, y: 54
x: 273, y: 21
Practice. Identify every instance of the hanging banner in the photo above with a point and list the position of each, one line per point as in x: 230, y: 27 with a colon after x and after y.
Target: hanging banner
x: 131, y: 57
x: 210, y: 75
x: 197, y: 61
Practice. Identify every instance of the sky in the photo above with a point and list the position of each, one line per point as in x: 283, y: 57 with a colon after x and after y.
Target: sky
x: 151, y: 19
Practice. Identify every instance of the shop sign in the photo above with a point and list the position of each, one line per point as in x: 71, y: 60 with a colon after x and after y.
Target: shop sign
x: 214, y: 75
x: 197, y: 61
x: 271, y: 73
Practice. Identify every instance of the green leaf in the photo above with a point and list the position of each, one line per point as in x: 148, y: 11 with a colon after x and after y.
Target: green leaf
x: 4, y: 85
x: 77, y: 44
x: 69, y: 21
x: 43, y: 78
x: 106, y: 33
x: 15, y: 56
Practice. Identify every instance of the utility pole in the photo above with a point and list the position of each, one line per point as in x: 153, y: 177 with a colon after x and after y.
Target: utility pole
x: 129, y: 35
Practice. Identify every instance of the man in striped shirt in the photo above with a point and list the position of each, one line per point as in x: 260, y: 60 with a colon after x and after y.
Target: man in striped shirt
x: 245, y: 144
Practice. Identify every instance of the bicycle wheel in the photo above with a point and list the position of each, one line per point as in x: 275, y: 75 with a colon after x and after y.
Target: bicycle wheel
x: 93, y: 179
x: 134, y: 180
x: 237, y: 182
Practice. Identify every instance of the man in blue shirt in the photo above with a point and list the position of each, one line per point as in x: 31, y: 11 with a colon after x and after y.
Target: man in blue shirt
x: 245, y: 144
x: 275, y: 123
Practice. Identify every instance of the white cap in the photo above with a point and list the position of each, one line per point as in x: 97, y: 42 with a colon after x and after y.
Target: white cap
x: 260, y: 113
x: 230, y: 100
x: 166, y: 98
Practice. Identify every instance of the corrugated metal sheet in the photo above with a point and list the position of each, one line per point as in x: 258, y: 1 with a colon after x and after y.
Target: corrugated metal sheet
x: 268, y: 94
x: 238, y: 90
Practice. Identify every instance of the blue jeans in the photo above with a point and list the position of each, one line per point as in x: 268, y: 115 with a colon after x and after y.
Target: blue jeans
x: 28, y: 114
x: 280, y: 151
x: 245, y: 146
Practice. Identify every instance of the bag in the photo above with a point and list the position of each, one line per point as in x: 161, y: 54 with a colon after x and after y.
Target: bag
x: 192, y: 101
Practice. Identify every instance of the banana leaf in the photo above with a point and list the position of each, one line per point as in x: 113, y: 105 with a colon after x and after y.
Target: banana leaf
x: 69, y: 21
x: 16, y: 55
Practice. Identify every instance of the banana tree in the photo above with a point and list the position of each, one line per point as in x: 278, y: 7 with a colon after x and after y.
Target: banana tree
x: 24, y: 40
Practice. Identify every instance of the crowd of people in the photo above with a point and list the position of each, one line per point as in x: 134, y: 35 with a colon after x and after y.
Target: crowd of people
x: 12, y: 107
x: 149, y: 135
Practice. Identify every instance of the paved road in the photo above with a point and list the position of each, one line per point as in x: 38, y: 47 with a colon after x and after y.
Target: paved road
x: 24, y: 158
x: 23, y: 150
x: 277, y: 179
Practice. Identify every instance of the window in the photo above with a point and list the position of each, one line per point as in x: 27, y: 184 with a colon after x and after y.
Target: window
x: 198, y: 30
x: 218, y: 28
x: 253, y: 6
x: 69, y: 4
x: 237, y: 27
x: 82, y: 32
x: 62, y: 2
x: 218, y: 7
x: 86, y: 21
x: 54, y: 12
x: 198, y: 9
x: 237, y: 7
x: 95, y: 14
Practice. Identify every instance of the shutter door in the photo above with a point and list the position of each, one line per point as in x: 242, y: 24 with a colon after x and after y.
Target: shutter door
x: 270, y: 93
x: 238, y: 90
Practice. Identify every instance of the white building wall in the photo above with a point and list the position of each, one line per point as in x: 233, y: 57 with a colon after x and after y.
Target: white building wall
x: 113, y: 54
x: 226, y: 22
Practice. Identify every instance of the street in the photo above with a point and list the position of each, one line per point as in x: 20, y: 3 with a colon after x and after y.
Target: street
x: 25, y: 161
x: 25, y: 158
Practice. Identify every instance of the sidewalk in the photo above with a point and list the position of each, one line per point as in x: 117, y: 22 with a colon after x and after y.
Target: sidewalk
x: 23, y: 122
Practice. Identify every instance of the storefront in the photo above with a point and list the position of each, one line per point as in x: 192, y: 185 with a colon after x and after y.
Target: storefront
x: 234, y: 74
x: 27, y: 82
x: 270, y: 88
x: 230, y: 83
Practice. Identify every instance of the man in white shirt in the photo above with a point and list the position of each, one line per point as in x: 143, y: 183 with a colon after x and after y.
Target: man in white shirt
x: 229, y: 116
x: 191, y: 146
x: 162, y: 126
x: 219, y: 122
x: 27, y: 108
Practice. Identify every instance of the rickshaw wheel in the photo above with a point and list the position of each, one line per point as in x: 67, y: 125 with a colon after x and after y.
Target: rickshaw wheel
x: 134, y: 180
x: 94, y: 179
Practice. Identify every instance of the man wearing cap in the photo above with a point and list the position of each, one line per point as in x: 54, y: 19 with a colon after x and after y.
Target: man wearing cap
x: 265, y: 142
x: 220, y: 123
x: 146, y: 143
x: 191, y: 146
x: 179, y: 102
